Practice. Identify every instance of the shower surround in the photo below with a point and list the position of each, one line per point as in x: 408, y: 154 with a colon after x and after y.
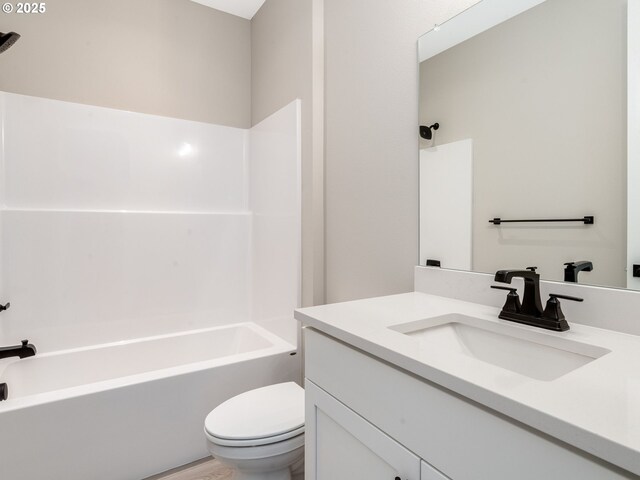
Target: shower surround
x: 119, y: 226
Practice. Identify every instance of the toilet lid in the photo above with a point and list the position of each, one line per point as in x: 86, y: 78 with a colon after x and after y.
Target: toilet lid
x: 272, y: 411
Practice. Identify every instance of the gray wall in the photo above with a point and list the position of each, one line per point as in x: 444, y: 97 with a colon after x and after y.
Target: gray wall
x: 166, y: 57
x: 282, y: 53
x: 371, y: 176
x: 365, y: 58
x: 543, y: 97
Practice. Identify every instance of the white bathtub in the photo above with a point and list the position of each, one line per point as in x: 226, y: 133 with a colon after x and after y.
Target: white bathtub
x: 128, y: 410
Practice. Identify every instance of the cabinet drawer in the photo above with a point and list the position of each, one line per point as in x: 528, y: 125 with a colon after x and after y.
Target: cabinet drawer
x: 460, y: 438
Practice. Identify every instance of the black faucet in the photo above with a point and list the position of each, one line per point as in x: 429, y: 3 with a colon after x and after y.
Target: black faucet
x: 572, y: 268
x: 531, y: 303
x: 23, y: 351
x: 530, y: 311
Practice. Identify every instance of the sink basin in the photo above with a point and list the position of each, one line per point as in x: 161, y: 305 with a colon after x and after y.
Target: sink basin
x: 537, y: 355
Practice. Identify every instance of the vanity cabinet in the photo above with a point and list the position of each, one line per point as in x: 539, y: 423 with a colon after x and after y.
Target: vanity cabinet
x: 367, y: 419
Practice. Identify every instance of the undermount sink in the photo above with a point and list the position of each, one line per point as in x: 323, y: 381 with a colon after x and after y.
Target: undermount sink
x: 537, y: 355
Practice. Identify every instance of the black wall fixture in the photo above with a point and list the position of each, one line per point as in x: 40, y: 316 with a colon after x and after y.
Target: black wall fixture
x: 427, y: 132
x: 7, y: 40
x: 573, y: 268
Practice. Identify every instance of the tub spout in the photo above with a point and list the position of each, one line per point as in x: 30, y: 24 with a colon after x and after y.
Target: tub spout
x: 23, y: 351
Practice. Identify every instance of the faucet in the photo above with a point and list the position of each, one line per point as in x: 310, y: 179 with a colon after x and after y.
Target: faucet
x: 530, y: 312
x: 23, y: 351
x: 572, y: 268
x: 531, y: 303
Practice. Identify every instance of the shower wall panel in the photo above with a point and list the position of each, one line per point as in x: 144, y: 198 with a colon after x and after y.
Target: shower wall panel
x: 67, y: 156
x: 274, y: 199
x: 118, y: 224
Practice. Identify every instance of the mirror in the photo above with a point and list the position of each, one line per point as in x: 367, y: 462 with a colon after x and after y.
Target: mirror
x: 530, y: 101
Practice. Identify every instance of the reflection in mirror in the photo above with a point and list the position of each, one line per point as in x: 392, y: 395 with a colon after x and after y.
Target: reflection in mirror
x: 532, y: 116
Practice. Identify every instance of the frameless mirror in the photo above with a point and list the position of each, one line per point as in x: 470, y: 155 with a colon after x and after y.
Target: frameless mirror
x: 524, y: 110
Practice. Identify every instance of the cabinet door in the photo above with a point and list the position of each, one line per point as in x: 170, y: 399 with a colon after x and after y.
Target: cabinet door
x: 341, y: 445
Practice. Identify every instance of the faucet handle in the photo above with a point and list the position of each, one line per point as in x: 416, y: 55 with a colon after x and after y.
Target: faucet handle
x: 513, y: 300
x: 498, y: 287
x: 533, y: 269
x: 565, y: 297
x: 553, y: 311
x: 5, y: 307
x: 25, y: 343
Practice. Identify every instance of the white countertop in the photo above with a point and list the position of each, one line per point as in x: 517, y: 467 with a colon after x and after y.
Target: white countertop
x: 595, y: 407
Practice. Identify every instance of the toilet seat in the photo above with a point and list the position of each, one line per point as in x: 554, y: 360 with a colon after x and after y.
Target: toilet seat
x: 253, y: 442
x: 268, y: 444
x: 262, y: 416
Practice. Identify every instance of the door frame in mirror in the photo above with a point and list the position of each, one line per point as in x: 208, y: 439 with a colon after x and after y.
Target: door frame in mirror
x: 633, y: 141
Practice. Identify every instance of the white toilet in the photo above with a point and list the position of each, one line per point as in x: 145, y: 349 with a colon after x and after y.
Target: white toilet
x: 260, y: 433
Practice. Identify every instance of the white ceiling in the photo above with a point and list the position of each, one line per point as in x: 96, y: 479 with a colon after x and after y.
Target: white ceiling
x: 242, y: 8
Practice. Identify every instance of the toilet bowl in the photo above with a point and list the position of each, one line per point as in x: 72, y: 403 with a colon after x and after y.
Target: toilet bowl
x: 259, y: 433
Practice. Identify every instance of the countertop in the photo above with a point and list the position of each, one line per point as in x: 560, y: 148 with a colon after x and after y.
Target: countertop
x: 595, y: 407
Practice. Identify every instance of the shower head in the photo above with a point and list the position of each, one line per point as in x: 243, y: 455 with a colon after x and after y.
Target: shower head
x: 7, y: 39
x: 426, y: 132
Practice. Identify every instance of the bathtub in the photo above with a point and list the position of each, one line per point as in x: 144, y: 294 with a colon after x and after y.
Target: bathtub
x: 128, y: 410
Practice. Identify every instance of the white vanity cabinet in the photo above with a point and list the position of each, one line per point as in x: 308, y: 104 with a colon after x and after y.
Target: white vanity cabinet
x: 367, y: 419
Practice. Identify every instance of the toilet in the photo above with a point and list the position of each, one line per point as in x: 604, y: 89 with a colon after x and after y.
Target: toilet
x: 260, y: 433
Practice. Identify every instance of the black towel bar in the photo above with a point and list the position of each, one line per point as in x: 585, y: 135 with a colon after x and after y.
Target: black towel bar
x: 588, y: 220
